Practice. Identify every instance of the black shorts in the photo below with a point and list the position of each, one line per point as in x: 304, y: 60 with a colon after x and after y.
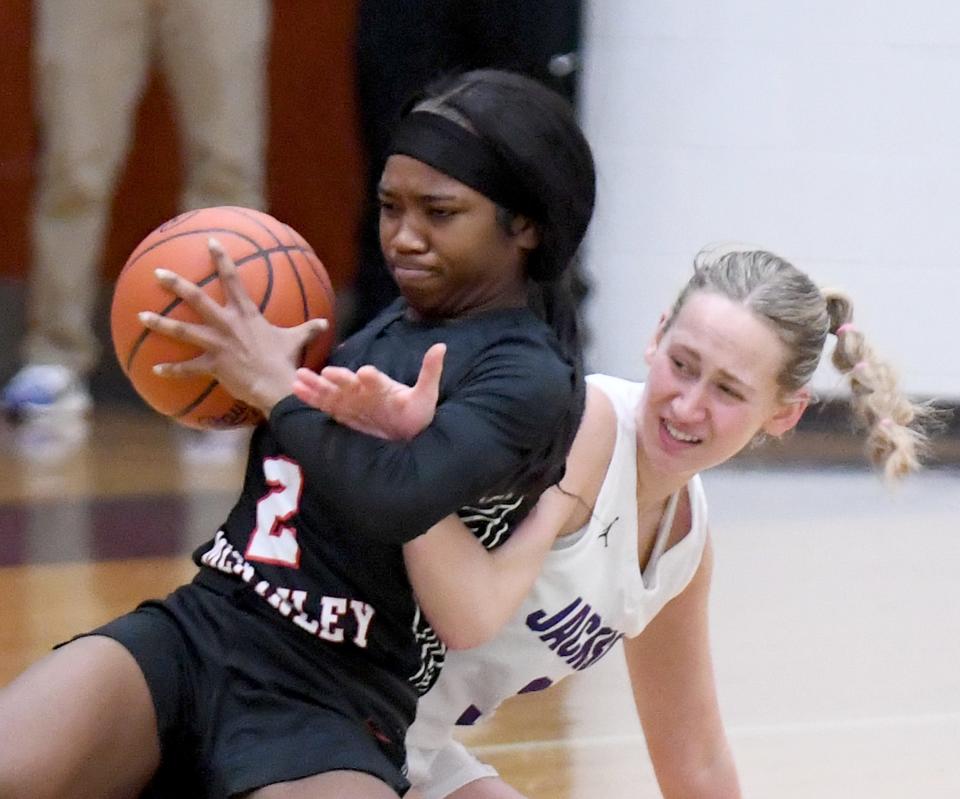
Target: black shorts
x: 238, y: 710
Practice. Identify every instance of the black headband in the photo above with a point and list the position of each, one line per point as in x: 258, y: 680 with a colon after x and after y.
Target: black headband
x: 452, y: 149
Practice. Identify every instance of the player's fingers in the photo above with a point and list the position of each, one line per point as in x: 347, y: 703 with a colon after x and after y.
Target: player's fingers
x: 309, y: 330
x: 233, y: 288
x: 373, y: 380
x: 191, y: 294
x: 318, y: 393
x: 308, y: 377
x: 428, y: 381
x: 188, y: 332
x: 201, y: 365
x: 303, y: 392
x: 341, y: 377
x: 312, y: 380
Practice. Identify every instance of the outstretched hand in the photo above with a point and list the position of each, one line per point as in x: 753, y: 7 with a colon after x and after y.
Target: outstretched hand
x: 371, y: 402
x: 254, y: 360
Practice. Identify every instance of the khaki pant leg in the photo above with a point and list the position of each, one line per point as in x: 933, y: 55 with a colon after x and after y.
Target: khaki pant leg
x: 91, y: 58
x: 215, y: 56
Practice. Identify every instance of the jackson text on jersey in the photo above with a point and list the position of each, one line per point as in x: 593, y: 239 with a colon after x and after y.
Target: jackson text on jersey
x: 576, y: 633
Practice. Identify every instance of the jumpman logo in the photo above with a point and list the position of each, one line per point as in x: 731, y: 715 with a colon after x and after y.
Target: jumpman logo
x: 606, y: 532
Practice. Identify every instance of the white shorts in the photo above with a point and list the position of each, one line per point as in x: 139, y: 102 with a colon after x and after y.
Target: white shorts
x: 437, y: 773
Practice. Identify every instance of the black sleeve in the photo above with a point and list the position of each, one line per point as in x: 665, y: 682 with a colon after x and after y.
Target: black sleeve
x: 503, y: 413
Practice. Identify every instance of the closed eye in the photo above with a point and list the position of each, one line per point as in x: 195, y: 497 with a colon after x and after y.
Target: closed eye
x: 387, y: 206
x: 731, y: 392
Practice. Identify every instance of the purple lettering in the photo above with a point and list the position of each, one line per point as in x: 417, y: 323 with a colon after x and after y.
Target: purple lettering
x: 567, y: 630
x: 570, y: 648
x: 601, y: 648
x: 535, y: 621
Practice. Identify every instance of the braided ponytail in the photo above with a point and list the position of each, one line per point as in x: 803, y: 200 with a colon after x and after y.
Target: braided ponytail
x: 894, y: 425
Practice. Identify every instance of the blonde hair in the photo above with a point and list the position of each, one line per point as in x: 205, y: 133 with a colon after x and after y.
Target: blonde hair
x: 802, y: 316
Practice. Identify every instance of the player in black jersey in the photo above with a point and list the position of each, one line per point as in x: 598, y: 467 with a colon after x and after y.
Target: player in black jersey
x: 291, y: 665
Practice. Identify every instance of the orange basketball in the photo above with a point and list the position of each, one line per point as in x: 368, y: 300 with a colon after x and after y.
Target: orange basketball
x: 280, y: 271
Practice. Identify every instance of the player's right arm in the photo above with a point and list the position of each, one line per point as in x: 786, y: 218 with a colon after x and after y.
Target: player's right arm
x: 671, y: 672
x: 467, y: 592
x: 500, y: 413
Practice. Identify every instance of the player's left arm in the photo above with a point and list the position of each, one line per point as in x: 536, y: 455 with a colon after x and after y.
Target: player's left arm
x: 486, y: 431
x: 671, y: 672
x: 371, y: 402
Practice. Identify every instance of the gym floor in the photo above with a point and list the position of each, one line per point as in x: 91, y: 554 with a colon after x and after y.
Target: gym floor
x: 834, y: 611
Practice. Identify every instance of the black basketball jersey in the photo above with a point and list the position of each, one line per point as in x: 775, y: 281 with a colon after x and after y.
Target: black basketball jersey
x: 318, y: 529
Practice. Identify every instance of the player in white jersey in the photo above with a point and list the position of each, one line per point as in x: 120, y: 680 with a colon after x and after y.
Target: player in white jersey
x: 632, y: 559
x: 593, y: 591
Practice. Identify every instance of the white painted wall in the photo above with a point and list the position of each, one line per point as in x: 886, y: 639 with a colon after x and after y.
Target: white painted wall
x: 827, y: 131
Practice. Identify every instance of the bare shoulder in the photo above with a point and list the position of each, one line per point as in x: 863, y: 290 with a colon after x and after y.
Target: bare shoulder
x: 593, y: 446
x: 599, y: 417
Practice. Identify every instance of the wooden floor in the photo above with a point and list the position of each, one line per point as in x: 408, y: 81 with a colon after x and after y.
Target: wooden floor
x: 835, y: 613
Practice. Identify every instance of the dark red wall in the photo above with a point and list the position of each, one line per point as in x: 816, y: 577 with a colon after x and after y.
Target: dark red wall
x: 314, y: 163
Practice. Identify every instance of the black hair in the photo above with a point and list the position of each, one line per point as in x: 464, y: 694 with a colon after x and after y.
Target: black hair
x: 536, y: 135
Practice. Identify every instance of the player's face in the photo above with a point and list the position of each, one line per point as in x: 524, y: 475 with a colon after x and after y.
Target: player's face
x: 712, y: 386
x: 443, y: 245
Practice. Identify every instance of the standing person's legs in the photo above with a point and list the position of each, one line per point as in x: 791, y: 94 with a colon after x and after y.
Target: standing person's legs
x: 91, y: 62
x: 80, y: 722
x: 215, y: 55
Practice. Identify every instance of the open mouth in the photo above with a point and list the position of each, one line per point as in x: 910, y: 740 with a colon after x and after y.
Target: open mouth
x: 679, y: 435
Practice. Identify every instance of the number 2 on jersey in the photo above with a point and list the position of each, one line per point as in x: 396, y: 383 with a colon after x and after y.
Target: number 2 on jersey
x: 272, y: 541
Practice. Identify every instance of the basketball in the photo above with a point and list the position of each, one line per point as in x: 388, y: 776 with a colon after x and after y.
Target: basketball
x: 279, y: 270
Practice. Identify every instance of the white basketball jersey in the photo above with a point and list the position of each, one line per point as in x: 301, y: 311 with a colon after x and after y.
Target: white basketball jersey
x: 590, y: 593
